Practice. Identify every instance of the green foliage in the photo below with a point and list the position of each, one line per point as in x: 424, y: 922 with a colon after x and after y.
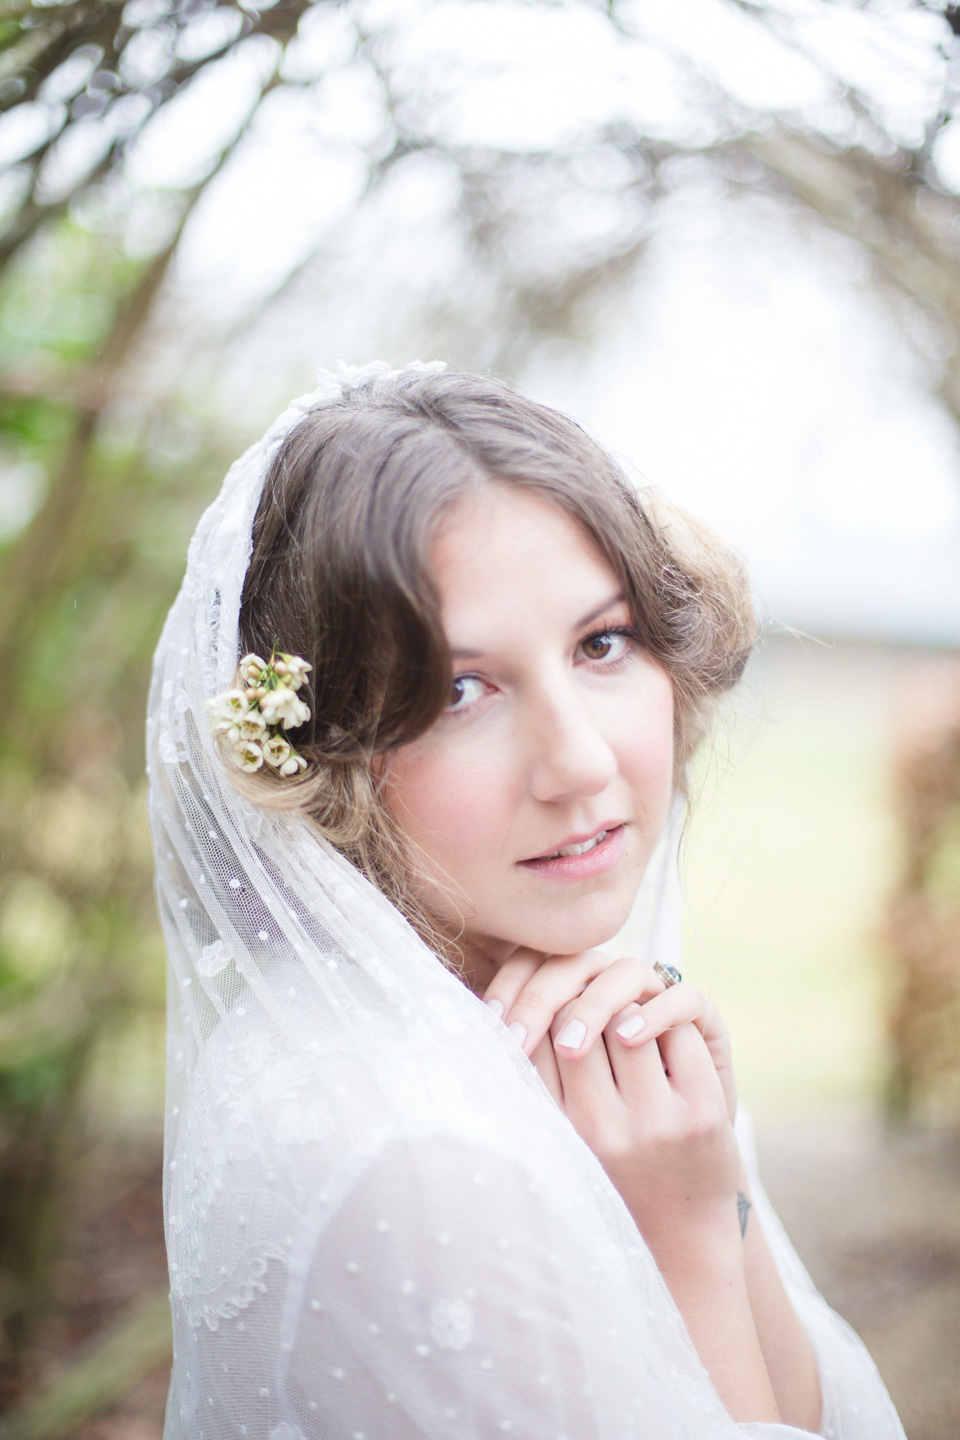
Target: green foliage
x: 60, y: 294
x: 83, y: 591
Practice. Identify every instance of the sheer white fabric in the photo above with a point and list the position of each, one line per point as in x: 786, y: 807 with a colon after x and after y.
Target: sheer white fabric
x: 379, y: 1224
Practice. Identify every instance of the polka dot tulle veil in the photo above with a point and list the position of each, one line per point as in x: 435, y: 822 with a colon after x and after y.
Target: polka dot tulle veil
x: 379, y: 1224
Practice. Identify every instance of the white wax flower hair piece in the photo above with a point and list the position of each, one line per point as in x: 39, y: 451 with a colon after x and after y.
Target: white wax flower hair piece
x: 248, y: 719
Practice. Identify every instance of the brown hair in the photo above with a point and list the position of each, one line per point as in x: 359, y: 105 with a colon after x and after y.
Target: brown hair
x: 339, y: 574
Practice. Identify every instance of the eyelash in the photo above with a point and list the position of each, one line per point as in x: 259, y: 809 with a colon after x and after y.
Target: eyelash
x: 626, y: 632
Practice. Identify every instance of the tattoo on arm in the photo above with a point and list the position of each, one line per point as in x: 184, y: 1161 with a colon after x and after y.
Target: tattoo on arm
x: 743, y: 1212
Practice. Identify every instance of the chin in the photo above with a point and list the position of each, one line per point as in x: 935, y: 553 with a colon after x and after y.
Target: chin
x: 562, y: 935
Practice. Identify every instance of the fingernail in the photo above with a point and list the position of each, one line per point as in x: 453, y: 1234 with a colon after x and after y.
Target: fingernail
x: 519, y: 1030
x: 496, y: 1006
x: 572, y: 1035
x: 628, y: 1028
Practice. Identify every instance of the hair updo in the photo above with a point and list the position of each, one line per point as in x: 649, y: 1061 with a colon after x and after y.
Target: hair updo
x: 340, y: 575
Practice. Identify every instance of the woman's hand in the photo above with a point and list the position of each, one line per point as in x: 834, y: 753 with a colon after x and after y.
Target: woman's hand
x: 656, y: 1107
x: 655, y: 1115
x: 531, y: 990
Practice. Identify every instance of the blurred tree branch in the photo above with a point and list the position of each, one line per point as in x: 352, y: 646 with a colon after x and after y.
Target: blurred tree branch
x: 910, y: 231
x: 37, y: 564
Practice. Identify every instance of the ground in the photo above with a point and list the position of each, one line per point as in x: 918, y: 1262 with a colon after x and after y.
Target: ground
x: 875, y: 1215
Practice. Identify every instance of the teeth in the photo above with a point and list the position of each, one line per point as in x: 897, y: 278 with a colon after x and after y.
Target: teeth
x: 579, y: 849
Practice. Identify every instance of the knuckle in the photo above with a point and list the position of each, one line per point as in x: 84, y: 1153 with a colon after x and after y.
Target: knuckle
x: 561, y: 1017
x: 533, y: 1004
x: 612, y: 1142
x: 695, y: 996
x: 651, y: 983
x: 662, y: 1133
x: 585, y: 964
x: 590, y: 1010
x: 703, y: 1123
x: 615, y: 1150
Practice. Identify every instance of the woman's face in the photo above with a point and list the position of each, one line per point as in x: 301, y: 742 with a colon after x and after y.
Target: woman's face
x: 558, y: 738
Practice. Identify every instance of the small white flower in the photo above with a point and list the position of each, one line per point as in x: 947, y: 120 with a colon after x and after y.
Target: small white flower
x: 252, y: 667
x: 248, y: 756
x: 276, y: 750
x: 227, y: 707
x: 281, y: 707
x: 297, y: 670
x: 297, y: 714
x: 292, y: 766
x: 251, y: 727
x: 276, y: 704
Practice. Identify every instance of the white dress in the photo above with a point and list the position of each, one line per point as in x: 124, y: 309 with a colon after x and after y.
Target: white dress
x: 357, y: 1256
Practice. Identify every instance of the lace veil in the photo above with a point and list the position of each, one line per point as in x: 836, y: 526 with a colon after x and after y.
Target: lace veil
x: 379, y: 1224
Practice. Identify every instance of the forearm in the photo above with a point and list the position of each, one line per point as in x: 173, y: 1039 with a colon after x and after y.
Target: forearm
x: 707, y: 1280
x: 787, y: 1352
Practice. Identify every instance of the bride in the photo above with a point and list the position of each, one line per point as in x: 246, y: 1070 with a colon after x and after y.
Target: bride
x: 436, y: 1164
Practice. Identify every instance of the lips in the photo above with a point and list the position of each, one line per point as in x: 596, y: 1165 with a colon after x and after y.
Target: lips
x: 576, y: 844
x: 578, y: 849
x: 581, y: 859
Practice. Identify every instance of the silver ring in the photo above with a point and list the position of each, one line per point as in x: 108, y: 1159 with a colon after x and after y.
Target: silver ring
x: 669, y: 974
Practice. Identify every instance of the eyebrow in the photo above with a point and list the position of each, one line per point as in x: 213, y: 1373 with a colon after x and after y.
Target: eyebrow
x: 620, y: 599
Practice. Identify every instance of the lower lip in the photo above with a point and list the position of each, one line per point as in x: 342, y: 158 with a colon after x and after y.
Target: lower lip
x: 582, y: 867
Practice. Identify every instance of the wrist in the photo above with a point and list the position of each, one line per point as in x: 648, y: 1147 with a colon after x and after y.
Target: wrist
x: 713, y: 1246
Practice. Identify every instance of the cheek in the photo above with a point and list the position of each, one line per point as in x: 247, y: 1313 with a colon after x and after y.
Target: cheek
x: 646, y: 737
x: 444, y: 806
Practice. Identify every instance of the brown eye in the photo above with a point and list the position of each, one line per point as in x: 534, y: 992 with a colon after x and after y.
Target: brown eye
x: 607, y: 645
x: 464, y: 689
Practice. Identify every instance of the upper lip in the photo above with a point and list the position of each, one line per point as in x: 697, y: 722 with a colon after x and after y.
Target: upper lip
x: 578, y: 839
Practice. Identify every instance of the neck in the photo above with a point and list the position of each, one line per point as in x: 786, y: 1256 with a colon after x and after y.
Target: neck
x: 481, y: 960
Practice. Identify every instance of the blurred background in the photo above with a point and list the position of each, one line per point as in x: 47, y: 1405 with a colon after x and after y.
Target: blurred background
x: 725, y: 234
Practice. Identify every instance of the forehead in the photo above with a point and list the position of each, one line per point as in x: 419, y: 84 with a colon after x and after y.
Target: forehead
x: 503, y: 553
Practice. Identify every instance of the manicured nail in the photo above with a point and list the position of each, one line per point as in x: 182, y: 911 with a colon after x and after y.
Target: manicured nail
x: 519, y: 1030
x: 572, y: 1035
x: 496, y: 1006
x: 628, y: 1028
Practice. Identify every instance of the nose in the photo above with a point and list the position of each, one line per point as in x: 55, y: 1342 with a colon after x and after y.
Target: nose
x: 570, y: 755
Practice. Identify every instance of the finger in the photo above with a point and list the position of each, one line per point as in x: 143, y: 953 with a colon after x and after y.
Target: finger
x: 545, y: 1062
x: 680, y: 1004
x: 638, y: 1070
x: 676, y: 1006
x: 625, y: 981
x: 510, y: 979
x: 711, y: 1026
x: 689, y: 1068
x: 589, y: 1090
x: 556, y: 980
